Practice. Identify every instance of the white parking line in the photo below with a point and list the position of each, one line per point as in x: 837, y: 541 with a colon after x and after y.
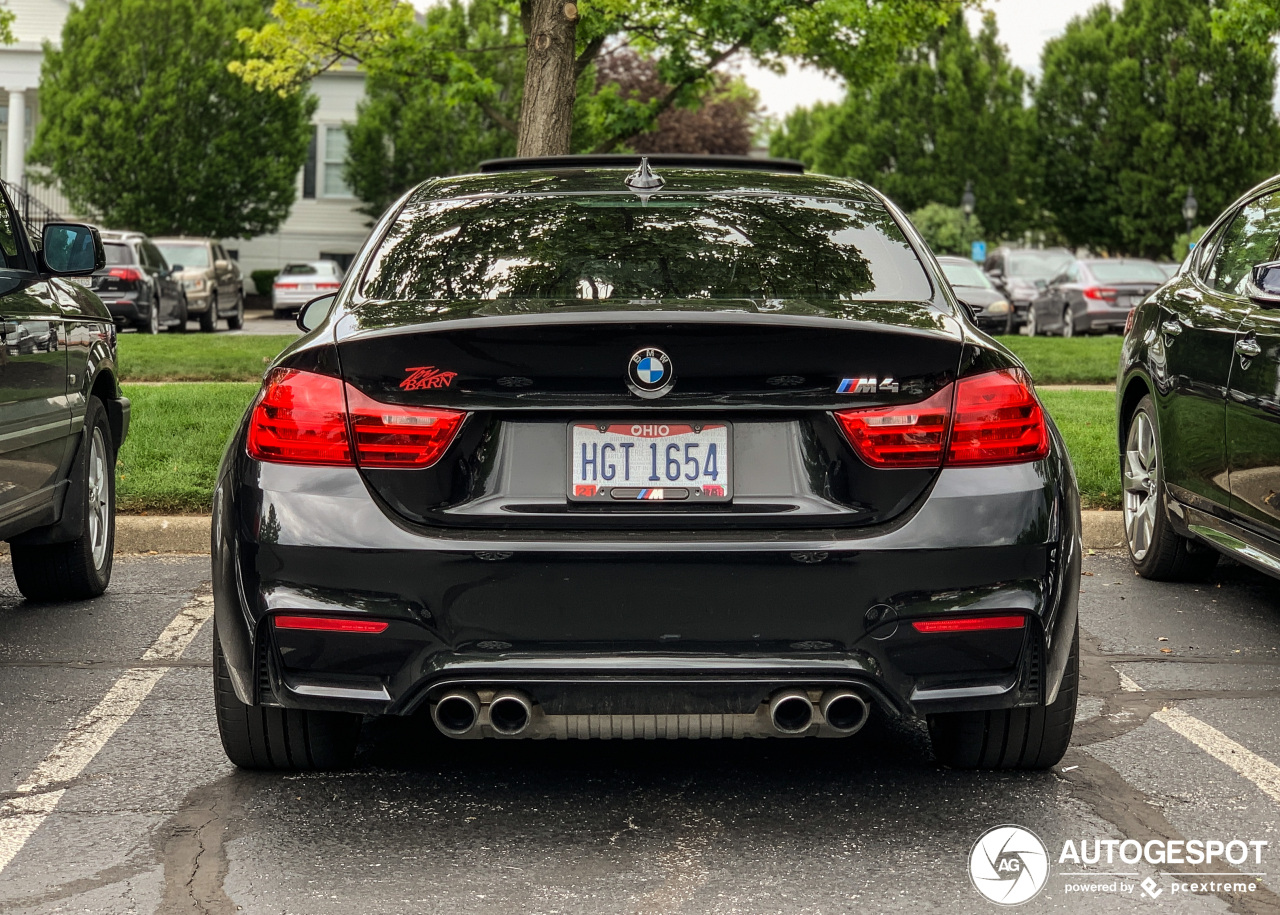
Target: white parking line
x: 1262, y: 772
x: 39, y: 794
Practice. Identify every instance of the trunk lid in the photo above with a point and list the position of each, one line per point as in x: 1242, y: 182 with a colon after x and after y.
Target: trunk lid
x: 526, y: 371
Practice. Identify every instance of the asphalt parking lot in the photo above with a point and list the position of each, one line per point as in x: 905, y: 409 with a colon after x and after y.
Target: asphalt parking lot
x: 115, y: 795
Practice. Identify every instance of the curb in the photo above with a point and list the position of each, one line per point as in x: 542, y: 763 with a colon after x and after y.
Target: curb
x: 1101, y: 530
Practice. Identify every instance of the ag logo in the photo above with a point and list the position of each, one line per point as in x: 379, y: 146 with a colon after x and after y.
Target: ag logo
x: 1009, y: 865
x: 649, y: 373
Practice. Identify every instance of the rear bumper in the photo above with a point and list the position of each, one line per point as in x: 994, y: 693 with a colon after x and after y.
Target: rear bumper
x: 1104, y: 320
x: 125, y: 311
x: 681, y: 623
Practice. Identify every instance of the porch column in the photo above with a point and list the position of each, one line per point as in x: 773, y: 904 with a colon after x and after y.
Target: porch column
x: 17, y: 136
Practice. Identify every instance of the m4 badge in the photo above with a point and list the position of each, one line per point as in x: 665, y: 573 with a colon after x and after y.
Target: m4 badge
x: 868, y: 385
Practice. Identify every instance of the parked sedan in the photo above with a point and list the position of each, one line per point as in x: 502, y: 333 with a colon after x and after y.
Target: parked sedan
x: 991, y: 310
x: 138, y: 285
x: 1198, y: 404
x: 214, y: 286
x: 698, y: 448
x: 299, y: 283
x: 1093, y: 296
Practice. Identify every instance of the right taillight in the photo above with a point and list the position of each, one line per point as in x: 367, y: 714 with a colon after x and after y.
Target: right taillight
x: 992, y: 418
x: 997, y: 420
x: 307, y: 418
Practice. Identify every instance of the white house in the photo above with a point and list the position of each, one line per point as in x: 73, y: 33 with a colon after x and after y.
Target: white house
x: 323, y: 222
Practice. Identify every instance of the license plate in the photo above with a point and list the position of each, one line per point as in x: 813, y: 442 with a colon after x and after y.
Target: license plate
x: 307, y: 287
x: 650, y: 462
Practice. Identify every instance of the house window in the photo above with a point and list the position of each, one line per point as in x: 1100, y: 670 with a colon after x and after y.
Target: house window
x: 335, y: 154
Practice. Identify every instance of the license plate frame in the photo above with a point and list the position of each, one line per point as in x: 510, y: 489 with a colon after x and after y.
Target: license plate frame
x: 640, y: 487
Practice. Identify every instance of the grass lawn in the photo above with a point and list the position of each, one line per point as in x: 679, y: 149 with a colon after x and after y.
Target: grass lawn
x: 197, y: 357
x: 176, y: 437
x: 1079, y: 360
x: 1087, y: 421
x: 178, y: 433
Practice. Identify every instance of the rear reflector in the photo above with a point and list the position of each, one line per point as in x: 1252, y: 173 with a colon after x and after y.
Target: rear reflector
x: 992, y: 418
x: 329, y: 624
x: 306, y: 418
x: 971, y: 624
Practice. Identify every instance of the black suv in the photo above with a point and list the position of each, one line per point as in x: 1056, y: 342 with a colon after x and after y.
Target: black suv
x: 138, y: 286
x: 63, y: 418
x: 1020, y: 273
x: 1199, y: 403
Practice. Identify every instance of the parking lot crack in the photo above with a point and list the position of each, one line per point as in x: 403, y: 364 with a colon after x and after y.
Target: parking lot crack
x: 193, y: 848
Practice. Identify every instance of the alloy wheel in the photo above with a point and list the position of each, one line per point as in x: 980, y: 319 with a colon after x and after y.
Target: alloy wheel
x: 1068, y: 323
x: 1141, y: 484
x: 153, y: 323
x: 99, y: 498
x: 1033, y: 329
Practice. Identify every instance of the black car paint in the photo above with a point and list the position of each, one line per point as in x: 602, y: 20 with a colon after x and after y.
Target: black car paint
x: 1216, y: 408
x: 592, y: 611
x: 47, y: 392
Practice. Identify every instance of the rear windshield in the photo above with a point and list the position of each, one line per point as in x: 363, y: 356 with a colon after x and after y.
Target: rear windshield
x: 1037, y: 265
x: 185, y: 253
x: 965, y: 275
x: 301, y: 269
x: 625, y: 248
x: 118, y: 254
x: 1127, y: 272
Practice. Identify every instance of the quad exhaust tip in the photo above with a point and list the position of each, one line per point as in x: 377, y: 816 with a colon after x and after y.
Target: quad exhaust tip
x: 510, y: 713
x: 456, y: 712
x: 790, y: 711
x: 844, y: 710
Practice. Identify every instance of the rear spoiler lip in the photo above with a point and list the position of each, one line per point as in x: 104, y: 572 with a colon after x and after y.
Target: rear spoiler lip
x: 947, y: 327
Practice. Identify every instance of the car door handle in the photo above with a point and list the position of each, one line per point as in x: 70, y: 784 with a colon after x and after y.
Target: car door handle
x: 1248, y: 347
x: 1172, y: 328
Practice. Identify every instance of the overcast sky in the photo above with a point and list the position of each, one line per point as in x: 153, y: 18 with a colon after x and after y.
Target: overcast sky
x: 1024, y: 27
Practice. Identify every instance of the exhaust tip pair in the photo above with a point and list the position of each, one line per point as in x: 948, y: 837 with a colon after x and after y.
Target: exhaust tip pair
x: 791, y: 711
x: 457, y: 713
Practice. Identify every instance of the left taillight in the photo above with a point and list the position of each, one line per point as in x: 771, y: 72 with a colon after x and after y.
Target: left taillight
x: 307, y: 418
x: 986, y: 419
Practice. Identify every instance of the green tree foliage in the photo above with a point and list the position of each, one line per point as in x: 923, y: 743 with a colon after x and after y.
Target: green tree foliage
x: 413, y: 125
x: 946, y: 230
x: 689, y: 39
x: 1135, y: 106
x: 948, y: 111
x: 144, y: 126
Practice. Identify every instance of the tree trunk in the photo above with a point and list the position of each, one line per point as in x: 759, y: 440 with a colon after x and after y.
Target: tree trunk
x: 546, y: 114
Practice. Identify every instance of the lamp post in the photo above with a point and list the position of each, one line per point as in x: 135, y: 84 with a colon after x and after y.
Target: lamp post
x: 1189, y: 209
x: 967, y: 201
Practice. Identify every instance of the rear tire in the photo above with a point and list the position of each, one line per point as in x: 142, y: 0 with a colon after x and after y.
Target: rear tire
x: 209, y: 320
x: 152, y: 324
x: 181, y: 314
x: 1014, y: 738
x: 280, y: 314
x: 236, y: 321
x: 1033, y: 326
x: 80, y: 569
x: 1068, y: 323
x: 1157, y: 551
x: 281, y: 739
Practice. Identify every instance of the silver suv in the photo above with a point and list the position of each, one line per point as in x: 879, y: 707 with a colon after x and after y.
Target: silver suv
x: 214, y: 286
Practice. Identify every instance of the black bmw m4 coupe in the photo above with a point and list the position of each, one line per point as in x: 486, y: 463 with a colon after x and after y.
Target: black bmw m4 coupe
x: 684, y: 447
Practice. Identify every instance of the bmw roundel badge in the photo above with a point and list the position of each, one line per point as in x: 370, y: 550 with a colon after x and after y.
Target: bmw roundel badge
x: 649, y: 372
